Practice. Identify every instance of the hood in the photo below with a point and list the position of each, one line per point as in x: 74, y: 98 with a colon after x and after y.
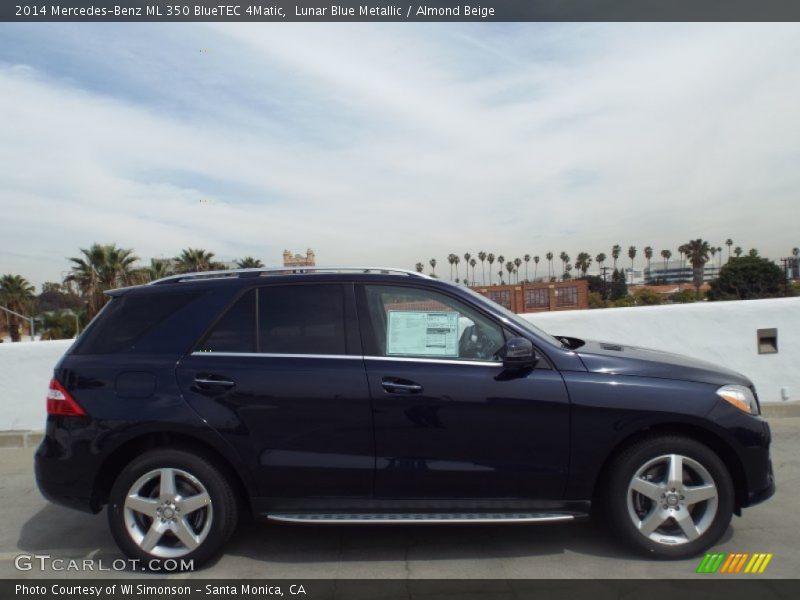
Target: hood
x: 619, y: 359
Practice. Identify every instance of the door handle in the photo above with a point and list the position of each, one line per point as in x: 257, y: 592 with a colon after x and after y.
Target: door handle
x: 205, y: 381
x: 400, y: 387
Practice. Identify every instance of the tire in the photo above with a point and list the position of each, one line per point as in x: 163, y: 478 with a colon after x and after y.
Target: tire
x: 156, y: 525
x: 644, y: 511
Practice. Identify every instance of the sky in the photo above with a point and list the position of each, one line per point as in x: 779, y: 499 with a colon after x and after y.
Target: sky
x: 389, y: 144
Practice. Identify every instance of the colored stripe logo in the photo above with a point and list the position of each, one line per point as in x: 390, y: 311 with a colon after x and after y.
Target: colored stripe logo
x: 734, y: 563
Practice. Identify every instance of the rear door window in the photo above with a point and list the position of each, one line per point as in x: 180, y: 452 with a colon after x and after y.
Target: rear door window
x: 302, y: 319
x: 236, y: 330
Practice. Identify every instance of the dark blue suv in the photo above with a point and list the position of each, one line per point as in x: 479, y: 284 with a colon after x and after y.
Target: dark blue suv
x: 383, y: 396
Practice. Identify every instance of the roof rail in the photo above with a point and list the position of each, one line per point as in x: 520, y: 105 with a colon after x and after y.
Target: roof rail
x: 266, y: 271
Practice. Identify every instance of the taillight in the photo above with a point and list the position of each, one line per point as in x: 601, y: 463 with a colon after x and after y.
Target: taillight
x: 59, y: 402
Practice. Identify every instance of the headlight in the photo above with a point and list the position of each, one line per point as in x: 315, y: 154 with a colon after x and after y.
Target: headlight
x: 740, y: 396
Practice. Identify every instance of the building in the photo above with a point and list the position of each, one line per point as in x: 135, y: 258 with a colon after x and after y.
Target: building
x: 677, y: 272
x: 298, y: 260
x: 539, y: 297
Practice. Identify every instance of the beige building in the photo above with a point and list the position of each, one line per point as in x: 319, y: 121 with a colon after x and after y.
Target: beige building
x: 298, y: 260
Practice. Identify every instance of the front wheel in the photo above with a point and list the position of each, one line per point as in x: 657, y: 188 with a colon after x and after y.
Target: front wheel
x: 171, y: 505
x: 669, y: 497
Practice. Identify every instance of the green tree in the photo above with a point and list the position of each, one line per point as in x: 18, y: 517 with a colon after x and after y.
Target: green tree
x: 697, y: 253
x: 100, y: 268
x: 527, y: 259
x: 510, y: 269
x: 619, y: 287
x: 482, y: 258
x: 737, y: 251
x: 748, y: 277
x: 500, y: 260
x: 472, y: 263
x: 158, y: 269
x: 549, y: 257
x: 616, y: 250
x: 419, y: 267
x: 432, y: 263
x: 535, y: 267
x: 249, y: 262
x: 16, y: 294
x: 517, y: 264
x: 729, y: 243
x: 666, y: 255
x: 648, y: 254
x: 490, y: 260
x: 632, y: 255
x: 582, y: 262
x: 196, y: 260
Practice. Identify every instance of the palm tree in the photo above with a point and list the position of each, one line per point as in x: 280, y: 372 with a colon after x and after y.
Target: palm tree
x: 482, y: 258
x: 158, y: 269
x: 729, y: 243
x: 549, y: 257
x: 419, y: 267
x: 195, y: 260
x: 632, y: 255
x: 248, y: 262
x: 451, y: 259
x: 648, y: 254
x: 601, y: 258
x: 682, y: 249
x: 510, y: 269
x: 697, y: 252
x: 582, y: 262
x: 719, y: 259
x: 666, y: 255
x: 467, y: 256
x: 500, y: 260
x: 517, y: 263
x: 16, y: 294
x: 472, y: 263
x: 535, y: 266
x: 737, y: 251
x: 564, y: 258
x: 616, y: 250
x: 490, y: 260
x: 527, y: 259
x: 102, y: 267
x: 456, y: 260
x: 432, y: 263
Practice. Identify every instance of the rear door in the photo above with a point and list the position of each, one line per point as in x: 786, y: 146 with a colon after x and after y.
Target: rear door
x: 281, y: 376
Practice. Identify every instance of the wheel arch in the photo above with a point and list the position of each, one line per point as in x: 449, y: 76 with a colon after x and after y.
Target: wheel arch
x: 700, y: 434
x: 126, y: 452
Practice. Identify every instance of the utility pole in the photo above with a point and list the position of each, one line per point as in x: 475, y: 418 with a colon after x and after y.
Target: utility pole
x: 29, y: 319
x: 605, y: 286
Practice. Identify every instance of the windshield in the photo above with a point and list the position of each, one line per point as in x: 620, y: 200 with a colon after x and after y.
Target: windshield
x: 515, y: 318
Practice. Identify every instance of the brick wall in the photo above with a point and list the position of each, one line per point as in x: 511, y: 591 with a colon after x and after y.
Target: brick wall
x: 539, y: 297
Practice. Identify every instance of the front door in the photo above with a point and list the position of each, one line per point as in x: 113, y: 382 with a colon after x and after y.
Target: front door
x: 450, y: 422
x: 281, y: 376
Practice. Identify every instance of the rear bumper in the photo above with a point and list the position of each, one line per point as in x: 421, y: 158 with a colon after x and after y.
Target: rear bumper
x: 65, y: 474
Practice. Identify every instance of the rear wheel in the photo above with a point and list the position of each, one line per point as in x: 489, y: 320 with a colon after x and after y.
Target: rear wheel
x: 669, y: 497
x: 171, y: 504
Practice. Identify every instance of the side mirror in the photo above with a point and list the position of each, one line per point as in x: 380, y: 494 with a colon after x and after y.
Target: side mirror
x: 518, y: 354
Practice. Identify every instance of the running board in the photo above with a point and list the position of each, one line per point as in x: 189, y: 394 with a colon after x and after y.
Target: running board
x: 423, y: 518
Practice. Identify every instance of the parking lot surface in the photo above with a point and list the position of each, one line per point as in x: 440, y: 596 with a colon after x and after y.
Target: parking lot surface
x: 31, y: 526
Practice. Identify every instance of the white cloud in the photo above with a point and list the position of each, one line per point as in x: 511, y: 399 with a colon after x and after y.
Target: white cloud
x: 391, y: 144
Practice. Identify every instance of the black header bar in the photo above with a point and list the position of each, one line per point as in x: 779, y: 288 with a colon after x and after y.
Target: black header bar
x: 399, y: 10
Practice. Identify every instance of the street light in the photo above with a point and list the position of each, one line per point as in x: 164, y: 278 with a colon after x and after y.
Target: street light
x: 77, y: 322
x: 29, y: 319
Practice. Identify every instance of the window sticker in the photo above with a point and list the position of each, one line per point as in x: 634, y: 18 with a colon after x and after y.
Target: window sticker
x: 422, y: 333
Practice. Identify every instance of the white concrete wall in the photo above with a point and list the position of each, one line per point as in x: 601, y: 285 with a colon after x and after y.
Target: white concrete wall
x: 25, y: 372
x: 721, y: 332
